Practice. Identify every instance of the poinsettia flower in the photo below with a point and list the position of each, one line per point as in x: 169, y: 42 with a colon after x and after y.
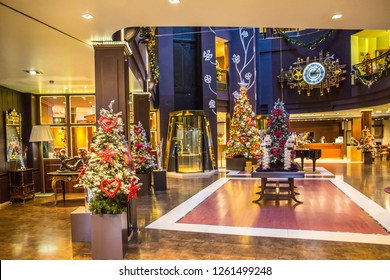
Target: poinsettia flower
x: 278, y: 133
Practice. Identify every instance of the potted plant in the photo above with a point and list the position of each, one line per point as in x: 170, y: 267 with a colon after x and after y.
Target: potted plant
x: 110, y: 185
x: 143, y: 159
x: 244, y: 141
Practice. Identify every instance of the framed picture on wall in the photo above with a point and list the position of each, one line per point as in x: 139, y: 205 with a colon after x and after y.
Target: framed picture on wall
x: 377, y: 131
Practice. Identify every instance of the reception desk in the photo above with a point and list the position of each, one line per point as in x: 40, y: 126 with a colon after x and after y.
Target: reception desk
x: 328, y: 150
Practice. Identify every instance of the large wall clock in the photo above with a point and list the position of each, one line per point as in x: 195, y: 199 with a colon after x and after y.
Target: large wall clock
x: 314, y: 73
x: 318, y: 73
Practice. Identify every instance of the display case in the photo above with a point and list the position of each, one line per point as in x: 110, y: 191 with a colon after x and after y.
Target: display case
x: 189, y: 145
x: 21, y: 184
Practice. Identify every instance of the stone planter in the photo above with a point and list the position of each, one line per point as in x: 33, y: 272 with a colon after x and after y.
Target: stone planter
x: 146, y: 180
x: 108, y: 236
x: 238, y: 163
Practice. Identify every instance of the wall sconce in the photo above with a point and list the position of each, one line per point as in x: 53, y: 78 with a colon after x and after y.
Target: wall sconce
x: 41, y: 133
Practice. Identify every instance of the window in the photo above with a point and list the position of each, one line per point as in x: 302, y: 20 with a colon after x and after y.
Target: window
x: 53, y: 109
x: 74, y: 134
x: 82, y: 110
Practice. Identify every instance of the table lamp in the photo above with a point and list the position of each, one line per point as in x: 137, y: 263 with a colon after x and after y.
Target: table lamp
x: 41, y: 133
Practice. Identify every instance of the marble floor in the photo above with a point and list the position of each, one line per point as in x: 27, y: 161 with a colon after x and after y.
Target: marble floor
x: 39, y: 230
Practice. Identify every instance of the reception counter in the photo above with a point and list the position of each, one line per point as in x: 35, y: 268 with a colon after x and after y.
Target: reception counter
x: 328, y: 150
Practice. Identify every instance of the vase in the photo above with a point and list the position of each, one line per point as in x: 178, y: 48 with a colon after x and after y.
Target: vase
x: 146, y: 181
x: 108, y: 236
x: 367, y: 157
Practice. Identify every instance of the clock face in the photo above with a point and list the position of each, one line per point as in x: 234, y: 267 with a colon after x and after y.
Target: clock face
x: 314, y: 73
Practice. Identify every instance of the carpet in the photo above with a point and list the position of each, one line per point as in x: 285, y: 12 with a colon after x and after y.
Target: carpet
x: 332, y: 210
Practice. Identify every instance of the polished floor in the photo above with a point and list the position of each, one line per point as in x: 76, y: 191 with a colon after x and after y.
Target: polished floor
x: 40, y: 230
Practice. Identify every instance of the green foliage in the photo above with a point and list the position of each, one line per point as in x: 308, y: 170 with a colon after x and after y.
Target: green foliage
x: 101, y: 205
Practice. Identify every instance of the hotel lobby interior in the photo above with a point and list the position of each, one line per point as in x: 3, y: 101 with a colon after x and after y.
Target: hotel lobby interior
x: 345, y: 214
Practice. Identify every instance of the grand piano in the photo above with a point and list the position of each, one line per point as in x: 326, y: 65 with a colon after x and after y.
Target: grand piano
x: 312, y: 154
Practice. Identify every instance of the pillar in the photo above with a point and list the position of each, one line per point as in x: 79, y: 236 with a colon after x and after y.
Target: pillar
x: 366, y: 119
x: 112, y: 79
x: 140, y: 110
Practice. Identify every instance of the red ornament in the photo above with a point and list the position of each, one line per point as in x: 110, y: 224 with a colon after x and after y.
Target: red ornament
x: 276, y: 151
x: 107, y: 155
x: 108, y: 123
x: 107, y: 185
x: 128, y: 159
x: 133, y: 189
x: 81, y: 173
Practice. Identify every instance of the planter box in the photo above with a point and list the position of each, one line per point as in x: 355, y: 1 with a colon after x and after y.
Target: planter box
x: 80, y: 224
x: 238, y: 163
x: 146, y: 180
x: 108, y: 236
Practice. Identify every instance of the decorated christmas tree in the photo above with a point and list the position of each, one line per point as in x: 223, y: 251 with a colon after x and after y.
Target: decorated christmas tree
x: 367, y: 141
x: 244, y: 139
x: 108, y: 176
x: 277, y: 135
x: 141, y: 150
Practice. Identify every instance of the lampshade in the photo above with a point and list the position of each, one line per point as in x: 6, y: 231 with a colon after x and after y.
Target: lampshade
x: 41, y: 133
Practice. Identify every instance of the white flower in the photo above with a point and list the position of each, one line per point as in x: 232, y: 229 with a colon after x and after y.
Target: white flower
x: 212, y: 104
x: 207, y: 79
x: 207, y: 55
x: 236, y: 58
x: 248, y: 75
x: 236, y: 94
x: 244, y: 34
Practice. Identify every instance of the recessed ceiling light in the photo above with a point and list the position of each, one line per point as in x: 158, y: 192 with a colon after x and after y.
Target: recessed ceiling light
x: 33, y: 72
x: 174, y: 1
x: 337, y: 16
x: 87, y: 16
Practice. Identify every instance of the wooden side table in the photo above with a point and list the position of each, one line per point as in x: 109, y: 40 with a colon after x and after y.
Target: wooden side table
x: 62, y: 177
x: 21, y: 184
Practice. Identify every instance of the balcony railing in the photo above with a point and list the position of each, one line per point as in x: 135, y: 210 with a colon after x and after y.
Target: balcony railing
x: 372, y: 70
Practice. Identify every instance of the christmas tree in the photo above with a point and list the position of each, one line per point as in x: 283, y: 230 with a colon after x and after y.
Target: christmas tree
x: 244, y: 139
x: 108, y: 176
x: 278, y: 131
x: 367, y: 141
x: 141, y: 150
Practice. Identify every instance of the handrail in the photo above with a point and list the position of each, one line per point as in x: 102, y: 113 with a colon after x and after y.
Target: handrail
x: 370, y: 71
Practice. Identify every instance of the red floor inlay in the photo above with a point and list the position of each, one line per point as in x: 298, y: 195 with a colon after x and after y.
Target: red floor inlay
x: 324, y: 208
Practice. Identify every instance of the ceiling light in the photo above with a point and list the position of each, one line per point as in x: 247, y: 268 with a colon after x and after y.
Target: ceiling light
x: 33, y: 72
x: 174, y: 1
x: 87, y: 16
x: 337, y: 16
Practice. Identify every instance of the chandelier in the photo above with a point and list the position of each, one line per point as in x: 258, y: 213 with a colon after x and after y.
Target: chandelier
x: 306, y: 75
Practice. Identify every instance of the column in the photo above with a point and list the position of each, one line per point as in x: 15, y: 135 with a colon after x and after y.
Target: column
x: 366, y: 119
x: 112, y: 78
